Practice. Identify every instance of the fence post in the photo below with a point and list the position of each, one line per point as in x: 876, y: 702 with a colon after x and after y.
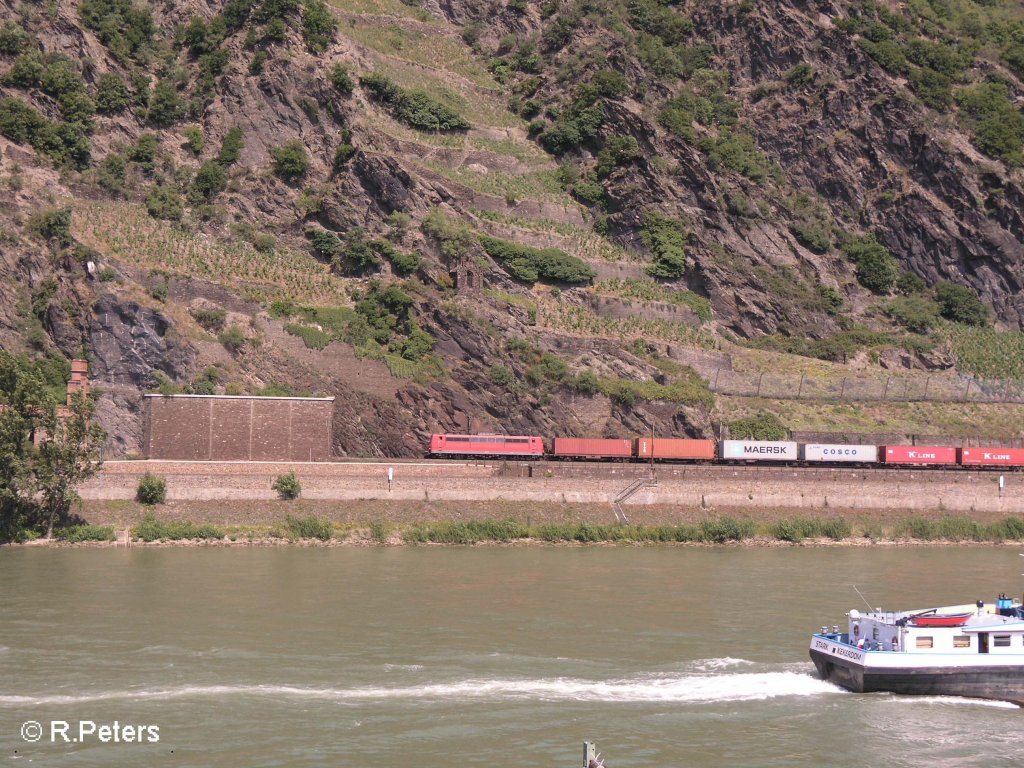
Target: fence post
x: 800, y: 391
x: 926, y: 383
x: 885, y: 392
x: 714, y: 386
x: 842, y: 392
x: 967, y: 391
x: 759, y: 383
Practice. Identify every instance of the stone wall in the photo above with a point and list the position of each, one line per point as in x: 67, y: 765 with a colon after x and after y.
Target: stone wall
x: 220, y: 428
x: 709, y: 487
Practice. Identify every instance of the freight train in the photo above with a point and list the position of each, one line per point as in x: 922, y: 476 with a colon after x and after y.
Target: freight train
x: 669, y: 449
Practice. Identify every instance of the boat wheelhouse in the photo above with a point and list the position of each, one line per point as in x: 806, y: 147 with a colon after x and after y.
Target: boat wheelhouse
x: 960, y: 650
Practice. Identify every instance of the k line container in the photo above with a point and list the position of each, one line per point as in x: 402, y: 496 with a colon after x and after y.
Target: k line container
x: 759, y: 450
x: 593, y: 447
x: 674, y: 448
x: 918, y: 454
x: 826, y: 452
x: 992, y: 457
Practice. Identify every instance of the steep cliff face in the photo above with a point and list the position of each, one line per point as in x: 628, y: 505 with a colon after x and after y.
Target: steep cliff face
x: 219, y: 196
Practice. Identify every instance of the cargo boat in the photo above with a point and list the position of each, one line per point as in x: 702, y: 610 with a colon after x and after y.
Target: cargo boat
x: 975, y: 651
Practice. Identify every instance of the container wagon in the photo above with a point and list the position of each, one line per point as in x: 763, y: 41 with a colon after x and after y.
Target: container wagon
x: 922, y: 455
x: 759, y: 450
x: 827, y: 453
x: 992, y: 457
x: 591, y: 448
x: 669, y: 448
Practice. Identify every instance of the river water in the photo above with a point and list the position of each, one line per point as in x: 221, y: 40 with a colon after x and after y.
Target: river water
x: 440, y: 657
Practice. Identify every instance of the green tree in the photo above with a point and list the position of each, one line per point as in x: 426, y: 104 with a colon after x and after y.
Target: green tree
x: 877, y: 269
x: 290, y: 160
x: 318, y: 26
x: 231, y: 147
x: 961, y: 304
x: 209, y: 182
x: 112, y: 94
x: 165, y: 105
x: 37, y: 482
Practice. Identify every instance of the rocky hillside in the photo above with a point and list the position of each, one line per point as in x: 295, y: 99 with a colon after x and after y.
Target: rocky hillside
x: 557, y: 217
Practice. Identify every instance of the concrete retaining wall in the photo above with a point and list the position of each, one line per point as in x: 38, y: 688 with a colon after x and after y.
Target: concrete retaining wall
x: 714, y: 487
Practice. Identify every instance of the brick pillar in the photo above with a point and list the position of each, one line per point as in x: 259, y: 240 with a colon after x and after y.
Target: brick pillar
x: 79, y: 379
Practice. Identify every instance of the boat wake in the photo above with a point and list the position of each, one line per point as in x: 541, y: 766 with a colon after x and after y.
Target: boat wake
x: 687, y: 688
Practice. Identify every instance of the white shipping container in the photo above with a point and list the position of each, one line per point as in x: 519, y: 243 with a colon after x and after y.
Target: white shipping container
x: 759, y: 450
x: 867, y: 454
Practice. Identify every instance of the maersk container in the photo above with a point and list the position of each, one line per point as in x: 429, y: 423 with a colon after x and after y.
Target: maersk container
x: 759, y: 450
x: 674, y: 448
x: 918, y: 454
x: 992, y: 457
x: 838, y: 452
x: 593, y: 448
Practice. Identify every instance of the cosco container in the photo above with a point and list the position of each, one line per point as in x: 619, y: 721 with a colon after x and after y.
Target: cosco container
x: 992, y: 457
x: 674, y: 448
x: 590, y: 448
x: 918, y: 454
x: 826, y: 452
x: 759, y: 450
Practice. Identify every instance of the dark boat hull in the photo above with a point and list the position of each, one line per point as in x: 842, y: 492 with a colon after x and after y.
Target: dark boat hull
x: 1003, y: 683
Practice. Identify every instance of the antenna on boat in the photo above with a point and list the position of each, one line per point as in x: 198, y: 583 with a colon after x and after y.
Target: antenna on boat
x: 862, y: 597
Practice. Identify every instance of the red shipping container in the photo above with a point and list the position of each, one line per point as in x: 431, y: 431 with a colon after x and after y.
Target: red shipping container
x: 593, y: 447
x: 918, y: 454
x: 673, y: 448
x: 992, y: 457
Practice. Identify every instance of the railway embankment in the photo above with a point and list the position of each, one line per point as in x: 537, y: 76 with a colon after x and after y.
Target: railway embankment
x: 590, y: 486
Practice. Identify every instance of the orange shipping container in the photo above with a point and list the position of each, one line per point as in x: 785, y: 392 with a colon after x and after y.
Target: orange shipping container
x: 674, y: 448
x: 593, y: 447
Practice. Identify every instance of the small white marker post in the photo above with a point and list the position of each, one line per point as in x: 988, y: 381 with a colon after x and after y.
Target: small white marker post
x: 1002, y: 484
x: 391, y: 477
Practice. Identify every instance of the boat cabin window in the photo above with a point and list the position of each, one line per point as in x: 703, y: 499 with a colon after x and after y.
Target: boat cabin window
x: 925, y: 642
x: 961, y: 641
x: 1001, y: 641
x: 874, y: 633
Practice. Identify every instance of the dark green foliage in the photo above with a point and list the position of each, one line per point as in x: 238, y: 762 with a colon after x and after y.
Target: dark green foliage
x: 310, y: 527
x: 403, y: 263
x: 231, y: 147
x: 887, y: 54
x: 877, y: 269
x: 144, y: 151
x: 287, y: 486
x: 77, y: 533
x: 909, y: 283
x: 209, y: 182
x: 726, y: 529
x: 617, y: 151
x: 416, y: 109
x: 418, y: 345
x: 665, y: 23
x: 164, y: 202
x: 112, y: 173
x: 259, y: 60
x: 359, y: 257
x: 233, y: 339
x: 502, y: 376
x: 961, y: 304
x: 915, y: 313
x: 194, y: 139
x: 27, y: 70
x: 739, y: 152
x: 211, y: 319
x: 531, y: 264
x: 318, y: 25
x: 763, y: 426
x: 343, y: 153
x: 126, y: 28
x: 19, y: 122
x: 801, y: 75
x: 577, y: 124
x: 454, y: 237
x: 13, y: 39
x: 112, y: 94
x: 665, y: 238
x: 939, y: 57
x: 933, y: 88
x: 841, y: 346
x: 60, y: 76
x: 326, y: 244
x: 77, y: 107
x: 151, y: 490
x: 998, y: 125
x: 341, y: 80
x: 703, y: 100
x: 610, y: 84
x: 812, y: 225
x: 165, y: 104
x: 831, y: 299
x: 290, y: 160
x: 54, y: 224
x: 151, y: 529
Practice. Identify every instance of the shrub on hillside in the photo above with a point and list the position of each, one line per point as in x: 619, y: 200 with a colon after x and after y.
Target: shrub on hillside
x: 763, y: 426
x: 287, y: 486
x: 666, y: 239
x: 112, y: 94
x: 915, y: 313
x: 209, y: 182
x: 416, y: 109
x: 531, y: 264
x: 877, y: 269
x: 961, y: 304
x: 231, y: 147
x: 290, y: 160
x: 318, y: 26
x: 164, y: 202
x: 151, y: 490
